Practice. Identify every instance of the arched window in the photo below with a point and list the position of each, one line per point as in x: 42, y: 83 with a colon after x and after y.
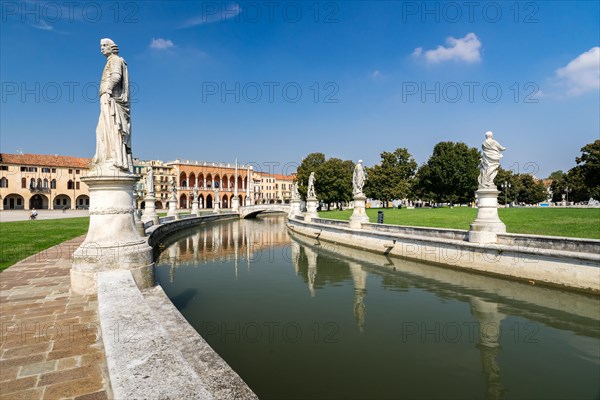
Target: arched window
x: 4, y: 182
x: 53, y: 184
x: 32, y: 184
x: 39, y: 183
x: 70, y: 184
x: 45, y: 183
x: 23, y: 183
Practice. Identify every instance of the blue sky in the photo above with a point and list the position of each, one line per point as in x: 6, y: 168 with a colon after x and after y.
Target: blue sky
x: 270, y: 82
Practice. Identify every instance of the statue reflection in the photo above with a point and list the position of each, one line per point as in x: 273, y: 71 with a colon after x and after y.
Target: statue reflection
x: 359, y: 277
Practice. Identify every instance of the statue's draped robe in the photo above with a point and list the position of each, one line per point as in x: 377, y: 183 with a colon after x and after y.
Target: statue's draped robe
x: 358, y: 180
x: 113, y: 132
x: 490, y: 161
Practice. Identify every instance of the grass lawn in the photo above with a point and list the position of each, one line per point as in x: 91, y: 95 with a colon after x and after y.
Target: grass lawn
x: 575, y: 222
x: 20, y: 239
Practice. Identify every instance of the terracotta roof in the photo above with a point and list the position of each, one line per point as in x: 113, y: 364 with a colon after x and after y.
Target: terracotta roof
x: 45, y: 160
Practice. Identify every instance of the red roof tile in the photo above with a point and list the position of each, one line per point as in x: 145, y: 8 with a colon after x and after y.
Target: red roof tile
x: 45, y: 160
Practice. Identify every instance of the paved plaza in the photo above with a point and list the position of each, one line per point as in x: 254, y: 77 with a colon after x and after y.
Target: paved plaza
x: 50, y: 344
x: 23, y: 215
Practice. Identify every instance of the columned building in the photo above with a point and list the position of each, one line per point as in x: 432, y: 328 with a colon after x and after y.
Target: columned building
x: 43, y: 182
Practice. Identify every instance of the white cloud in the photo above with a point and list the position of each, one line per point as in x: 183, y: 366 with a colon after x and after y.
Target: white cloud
x: 375, y: 74
x: 466, y: 49
x: 161, y: 44
x: 583, y: 73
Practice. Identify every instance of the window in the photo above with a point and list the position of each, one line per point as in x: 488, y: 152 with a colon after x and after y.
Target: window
x: 32, y: 184
x: 39, y: 183
x: 77, y: 171
x: 23, y: 183
x: 32, y: 169
x: 77, y: 185
x: 23, y: 169
x: 4, y: 182
x: 3, y: 167
x: 70, y: 171
x: 53, y: 184
x: 70, y: 184
x: 46, y: 170
x: 19, y: 201
x: 53, y: 170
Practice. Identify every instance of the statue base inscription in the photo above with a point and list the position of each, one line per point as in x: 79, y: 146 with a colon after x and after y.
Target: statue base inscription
x: 359, y: 215
x: 311, y: 209
x: 487, y: 224
x: 112, y: 241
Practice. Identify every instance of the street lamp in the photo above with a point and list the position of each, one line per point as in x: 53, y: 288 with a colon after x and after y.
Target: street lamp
x: 505, y: 186
x: 567, y: 190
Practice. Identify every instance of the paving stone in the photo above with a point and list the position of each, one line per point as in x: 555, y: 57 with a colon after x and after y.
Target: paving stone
x: 39, y: 368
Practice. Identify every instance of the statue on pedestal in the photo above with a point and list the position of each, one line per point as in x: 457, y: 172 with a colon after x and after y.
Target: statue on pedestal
x: 195, y: 193
x: 172, y: 188
x: 490, y: 161
x: 150, y: 183
x: 295, y: 194
x: 113, y: 132
x: 310, y: 192
x: 358, y: 179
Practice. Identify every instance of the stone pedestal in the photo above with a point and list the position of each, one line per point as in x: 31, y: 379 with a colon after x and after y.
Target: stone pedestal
x: 294, y: 209
x: 216, y: 207
x: 311, y: 209
x: 173, y: 209
x: 195, y: 210
x: 139, y: 225
x: 359, y: 215
x: 150, y: 210
x: 487, y: 224
x: 235, y: 204
x: 112, y: 241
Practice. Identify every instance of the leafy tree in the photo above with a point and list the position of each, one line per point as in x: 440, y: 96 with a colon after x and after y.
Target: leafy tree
x: 559, y: 182
x: 509, y: 193
x: 335, y: 181
x: 531, y: 191
x: 391, y: 179
x: 589, y: 164
x: 450, y: 174
x: 310, y: 163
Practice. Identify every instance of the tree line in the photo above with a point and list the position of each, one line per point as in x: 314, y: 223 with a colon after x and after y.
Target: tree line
x: 449, y: 176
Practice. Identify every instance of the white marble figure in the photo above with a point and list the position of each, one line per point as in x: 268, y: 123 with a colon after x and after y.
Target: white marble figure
x: 217, y: 198
x: 490, y: 161
x: 295, y: 194
x: 195, y: 193
x: 358, y: 179
x: 310, y: 192
x: 113, y: 132
x: 172, y: 188
x: 150, y: 183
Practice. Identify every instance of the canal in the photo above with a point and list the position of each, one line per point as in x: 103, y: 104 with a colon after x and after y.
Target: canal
x: 300, y: 319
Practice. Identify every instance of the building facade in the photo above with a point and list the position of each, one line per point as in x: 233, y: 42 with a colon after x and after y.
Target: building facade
x: 41, y: 181
x: 273, y: 188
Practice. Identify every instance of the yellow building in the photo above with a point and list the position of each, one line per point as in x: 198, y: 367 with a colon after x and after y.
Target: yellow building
x: 162, y: 175
x: 43, y: 182
x: 273, y: 188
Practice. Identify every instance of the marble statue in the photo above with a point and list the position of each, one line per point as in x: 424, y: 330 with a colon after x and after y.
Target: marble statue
x: 490, y: 161
x: 311, y: 186
x: 295, y: 194
x: 217, y: 198
x: 172, y: 187
x: 358, y: 179
x: 150, y: 183
x: 113, y: 132
x: 195, y: 192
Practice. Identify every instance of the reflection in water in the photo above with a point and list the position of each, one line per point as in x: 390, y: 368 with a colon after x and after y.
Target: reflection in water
x: 409, y: 304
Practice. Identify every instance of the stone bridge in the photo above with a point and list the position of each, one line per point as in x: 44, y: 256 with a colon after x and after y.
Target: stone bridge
x: 252, y: 211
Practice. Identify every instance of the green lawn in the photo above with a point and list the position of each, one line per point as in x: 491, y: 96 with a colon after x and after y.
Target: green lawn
x: 20, y: 239
x: 582, y: 223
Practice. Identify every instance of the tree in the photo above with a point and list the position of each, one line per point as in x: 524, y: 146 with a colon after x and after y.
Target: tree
x: 531, y: 191
x: 450, y: 174
x: 557, y: 187
x: 508, y: 184
x: 589, y: 164
x: 335, y: 181
x: 310, y: 163
x: 391, y: 179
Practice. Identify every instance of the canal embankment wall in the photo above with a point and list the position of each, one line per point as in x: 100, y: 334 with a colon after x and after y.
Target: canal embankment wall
x: 562, y: 262
x: 152, y: 351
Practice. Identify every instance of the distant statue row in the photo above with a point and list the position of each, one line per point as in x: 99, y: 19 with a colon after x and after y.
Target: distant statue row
x: 488, y: 169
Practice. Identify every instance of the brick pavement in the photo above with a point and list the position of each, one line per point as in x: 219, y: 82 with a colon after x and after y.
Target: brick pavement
x: 50, y: 345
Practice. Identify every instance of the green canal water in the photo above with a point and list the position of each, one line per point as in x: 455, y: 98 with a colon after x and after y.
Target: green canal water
x: 300, y: 319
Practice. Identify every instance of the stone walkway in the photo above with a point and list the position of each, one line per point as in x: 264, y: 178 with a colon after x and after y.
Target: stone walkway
x: 50, y: 345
